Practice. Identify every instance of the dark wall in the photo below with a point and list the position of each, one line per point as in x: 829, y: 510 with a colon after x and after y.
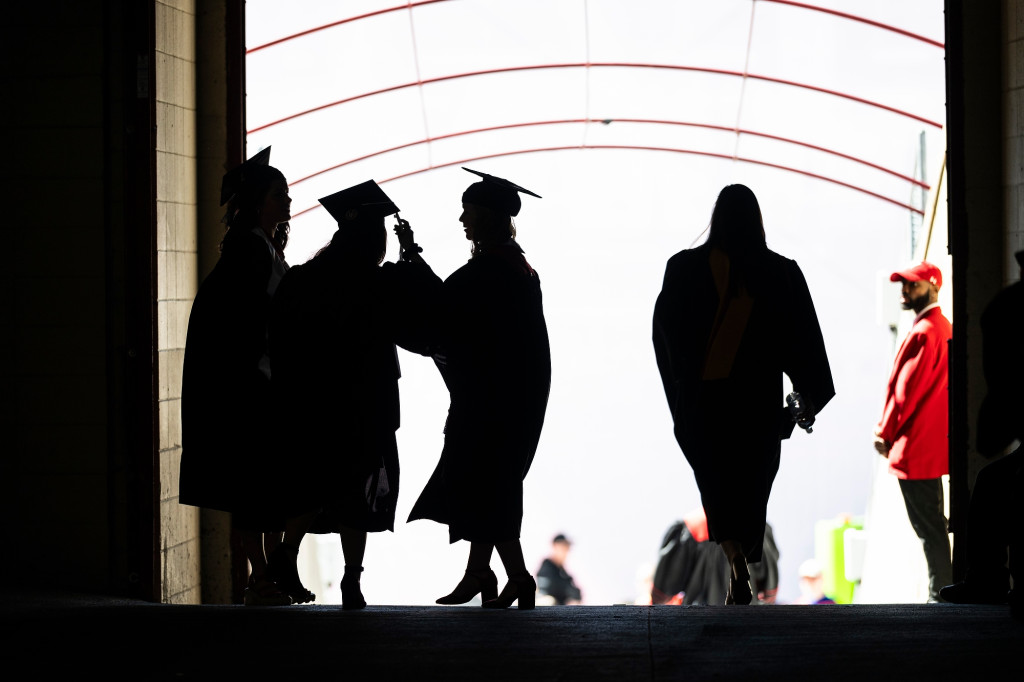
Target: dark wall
x: 975, y: 126
x: 77, y: 313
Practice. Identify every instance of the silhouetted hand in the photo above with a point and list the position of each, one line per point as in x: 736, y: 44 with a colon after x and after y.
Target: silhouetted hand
x: 801, y: 411
x: 410, y: 250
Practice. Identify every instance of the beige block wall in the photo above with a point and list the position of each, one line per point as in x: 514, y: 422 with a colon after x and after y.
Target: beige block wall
x: 176, y: 281
x: 1013, y: 126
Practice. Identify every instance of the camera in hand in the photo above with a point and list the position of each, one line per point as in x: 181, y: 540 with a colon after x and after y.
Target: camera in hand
x: 801, y: 411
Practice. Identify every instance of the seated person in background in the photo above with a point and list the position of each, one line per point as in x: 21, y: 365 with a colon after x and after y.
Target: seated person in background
x: 693, y: 570
x: 812, y: 584
x: 553, y: 581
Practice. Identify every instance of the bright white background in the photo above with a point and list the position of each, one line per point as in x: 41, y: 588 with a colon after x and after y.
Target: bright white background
x: 608, y: 472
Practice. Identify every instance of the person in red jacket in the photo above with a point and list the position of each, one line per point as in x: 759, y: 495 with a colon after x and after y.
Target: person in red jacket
x: 914, y: 427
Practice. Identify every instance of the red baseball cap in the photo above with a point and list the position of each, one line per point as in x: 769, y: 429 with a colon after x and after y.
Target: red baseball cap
x: 922, y: 272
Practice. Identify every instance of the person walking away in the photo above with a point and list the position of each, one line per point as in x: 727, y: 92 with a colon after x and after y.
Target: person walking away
x: 731, y: 319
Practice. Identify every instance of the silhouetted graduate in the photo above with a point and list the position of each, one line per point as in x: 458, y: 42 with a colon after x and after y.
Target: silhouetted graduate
x: 731, y: 318
x: 227, y: 451
x: 335, y: 322
x: 995, y: 520
x: 494, y: 356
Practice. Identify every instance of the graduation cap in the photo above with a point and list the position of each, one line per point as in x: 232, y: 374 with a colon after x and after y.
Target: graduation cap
x: 236, y: 177
x: 359, y: 202
x: 495, y: 193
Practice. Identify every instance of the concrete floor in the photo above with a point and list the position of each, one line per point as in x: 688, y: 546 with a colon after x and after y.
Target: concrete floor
x: 52, y: 636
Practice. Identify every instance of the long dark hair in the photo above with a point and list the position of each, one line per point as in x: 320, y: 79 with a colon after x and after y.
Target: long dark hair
x: 360, y: 242
x: 280, y: 238
x: 495, y: 227
x: 737, y: 229
x: 244, y: 208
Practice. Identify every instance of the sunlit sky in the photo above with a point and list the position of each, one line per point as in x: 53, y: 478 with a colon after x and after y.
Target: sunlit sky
x: 608, y: 472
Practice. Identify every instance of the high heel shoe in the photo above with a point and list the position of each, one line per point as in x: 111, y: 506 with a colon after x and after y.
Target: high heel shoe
x: 522, y: 588
x: 739, y: 584
x: 351, y: 595
x: 261, y: 591
x: 484, y: 583
x: 282, y: 570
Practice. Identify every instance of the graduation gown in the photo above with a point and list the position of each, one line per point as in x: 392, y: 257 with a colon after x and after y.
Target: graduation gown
x: 225, y: 392
x: 690, y: 565
x: 729, y: 423
x: 333, y: 331
x: 496, y: 361
x: 554, y: 581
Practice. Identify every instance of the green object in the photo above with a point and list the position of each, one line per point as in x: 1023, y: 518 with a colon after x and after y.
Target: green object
x: 828, y: 550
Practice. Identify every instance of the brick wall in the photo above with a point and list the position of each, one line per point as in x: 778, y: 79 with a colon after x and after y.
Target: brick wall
x: 176, y: 280
x: 1013, y: 133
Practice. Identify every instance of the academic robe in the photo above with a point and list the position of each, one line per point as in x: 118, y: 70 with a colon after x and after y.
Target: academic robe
x: 554, y: 581
x: 225, y: 393
x: 333, y: 332
x: 729, y: 424
x: 691, y: 565
x: 915, y: 419
x: 495, y: 359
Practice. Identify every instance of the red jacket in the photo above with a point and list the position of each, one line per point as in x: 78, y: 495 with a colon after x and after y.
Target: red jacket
x: 916, y: 416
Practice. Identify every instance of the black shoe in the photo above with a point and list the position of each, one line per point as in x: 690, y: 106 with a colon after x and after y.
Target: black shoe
x: 521, y: 588
x: 351, y: 595
x: 282, y: 569
x: 484, y: 583
x: 739, y: 585
x: 971, y: 593
x: 260, y: 591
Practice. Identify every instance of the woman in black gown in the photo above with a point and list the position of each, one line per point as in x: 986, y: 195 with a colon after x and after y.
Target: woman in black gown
x: 731, y: 318
x: 494, y: 356
x: 226, y: 411
x: 334, y: 325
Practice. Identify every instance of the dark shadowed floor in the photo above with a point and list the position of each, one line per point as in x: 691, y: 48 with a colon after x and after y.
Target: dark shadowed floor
x: 76, y: 636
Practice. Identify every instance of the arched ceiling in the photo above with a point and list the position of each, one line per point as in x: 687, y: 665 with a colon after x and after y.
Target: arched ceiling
x: 841, y: 92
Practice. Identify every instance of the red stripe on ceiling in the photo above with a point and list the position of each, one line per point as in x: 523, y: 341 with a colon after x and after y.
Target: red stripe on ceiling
x: 410, y: 5
x: 627, y: 65
x: 727, y: 157
x: 862, y: 20
x: 340, y: 22
x: 606, y: 121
